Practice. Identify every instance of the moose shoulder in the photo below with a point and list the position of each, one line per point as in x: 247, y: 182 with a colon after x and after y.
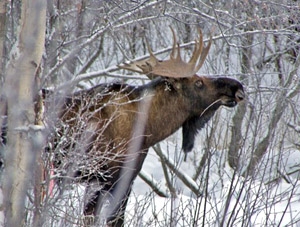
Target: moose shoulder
x: 115, y: 124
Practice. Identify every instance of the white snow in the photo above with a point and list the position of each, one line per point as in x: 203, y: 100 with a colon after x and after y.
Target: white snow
x: 241, y: 202
x: 228, y: 198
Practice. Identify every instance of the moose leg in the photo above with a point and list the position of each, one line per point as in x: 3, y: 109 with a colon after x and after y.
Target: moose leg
x: 95, y: 197
x: 122, y: 188
x: 95, y: 200
x: 120, y: 193
x: 91, y: 205
x: 116, y: 192
x: 90, y: 209
x: 117, y: 214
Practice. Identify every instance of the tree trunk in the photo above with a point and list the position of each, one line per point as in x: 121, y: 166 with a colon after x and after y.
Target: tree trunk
x: 2, y: 37
x: 237, y: 120
x: 19, y: 89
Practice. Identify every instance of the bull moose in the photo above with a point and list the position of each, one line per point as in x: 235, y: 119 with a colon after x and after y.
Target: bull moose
x: 110, y: 127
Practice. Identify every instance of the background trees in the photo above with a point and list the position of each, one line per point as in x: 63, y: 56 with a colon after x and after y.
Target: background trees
x: 242, y: 158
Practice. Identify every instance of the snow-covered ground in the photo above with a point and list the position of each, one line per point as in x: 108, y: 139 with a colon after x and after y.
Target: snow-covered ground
x: 231, y: 200
x: 228, y: 199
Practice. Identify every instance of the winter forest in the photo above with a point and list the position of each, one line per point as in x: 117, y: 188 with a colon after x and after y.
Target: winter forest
x: 244, y: 169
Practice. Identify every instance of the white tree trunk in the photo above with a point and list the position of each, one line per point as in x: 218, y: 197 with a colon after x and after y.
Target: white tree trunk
x: 19, y: 88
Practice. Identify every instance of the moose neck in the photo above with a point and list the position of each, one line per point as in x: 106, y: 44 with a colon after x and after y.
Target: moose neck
x: 168, y: 110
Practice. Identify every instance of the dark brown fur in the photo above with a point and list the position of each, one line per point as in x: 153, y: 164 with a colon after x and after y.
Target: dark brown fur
x: 112, y: 113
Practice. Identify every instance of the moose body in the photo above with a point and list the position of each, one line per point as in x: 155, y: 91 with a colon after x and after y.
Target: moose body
x: 113, y: 125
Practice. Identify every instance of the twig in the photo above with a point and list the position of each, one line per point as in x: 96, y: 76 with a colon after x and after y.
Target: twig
x: 188, y: 181
x: 153, y: 184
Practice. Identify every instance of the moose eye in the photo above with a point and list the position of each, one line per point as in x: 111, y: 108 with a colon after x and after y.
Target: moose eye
x: 199, y: 83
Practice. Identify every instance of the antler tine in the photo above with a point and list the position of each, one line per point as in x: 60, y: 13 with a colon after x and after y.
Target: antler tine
x: 152, y: 56
x: 172, y: 55
x: 174, y: 67
x: 198, y: 48
x: 204, y: 53
x: 175, y: 47
x: 152, y: 61
x: 142, y: 66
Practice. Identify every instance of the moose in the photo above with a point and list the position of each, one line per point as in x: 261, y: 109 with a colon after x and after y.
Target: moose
x: 110, y: 127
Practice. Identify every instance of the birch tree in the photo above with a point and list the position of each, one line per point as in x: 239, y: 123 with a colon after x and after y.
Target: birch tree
x: 20, y: 90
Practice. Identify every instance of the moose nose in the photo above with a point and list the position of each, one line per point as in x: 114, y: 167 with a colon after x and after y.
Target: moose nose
x: 239, y: 95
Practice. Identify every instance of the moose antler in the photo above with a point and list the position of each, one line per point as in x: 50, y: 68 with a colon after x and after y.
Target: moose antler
x: 174, y: 67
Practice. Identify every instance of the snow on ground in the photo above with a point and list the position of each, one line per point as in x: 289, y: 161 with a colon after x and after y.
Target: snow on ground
x: 258, y: 207
x: 231, y: 200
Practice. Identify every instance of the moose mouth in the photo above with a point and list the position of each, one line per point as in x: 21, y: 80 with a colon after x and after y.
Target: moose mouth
x: 230, y: 103
x: 233, y: 101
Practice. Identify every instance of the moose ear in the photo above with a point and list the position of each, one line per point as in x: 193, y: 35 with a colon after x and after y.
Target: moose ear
x: 176, y: 83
